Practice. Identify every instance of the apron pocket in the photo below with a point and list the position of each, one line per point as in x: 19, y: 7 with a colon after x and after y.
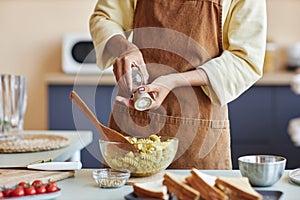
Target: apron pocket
x: 211, y: 138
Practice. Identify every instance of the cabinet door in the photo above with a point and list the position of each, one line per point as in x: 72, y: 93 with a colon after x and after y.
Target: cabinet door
x: 259, y: 122
x: 288, y: 107
x: 64, y: 116
x: 251, y: 121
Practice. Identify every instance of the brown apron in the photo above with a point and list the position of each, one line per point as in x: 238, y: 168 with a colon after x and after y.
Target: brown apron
x: 175, y: 36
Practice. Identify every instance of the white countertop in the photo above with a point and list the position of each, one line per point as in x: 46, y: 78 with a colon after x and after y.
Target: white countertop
x: 83, y: 186
x: 271, y: 78
x: 78, y: 140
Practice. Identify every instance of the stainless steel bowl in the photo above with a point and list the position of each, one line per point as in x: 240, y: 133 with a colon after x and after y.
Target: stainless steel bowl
x: 262, y: 170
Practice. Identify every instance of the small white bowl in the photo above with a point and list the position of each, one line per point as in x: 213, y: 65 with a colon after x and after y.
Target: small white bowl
x: 110, y: 178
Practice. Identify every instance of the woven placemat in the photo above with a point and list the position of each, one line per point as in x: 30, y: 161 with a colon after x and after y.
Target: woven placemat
x: 33, y: 143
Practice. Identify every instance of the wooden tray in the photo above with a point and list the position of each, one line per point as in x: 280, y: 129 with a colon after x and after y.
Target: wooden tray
x: 33, y: 143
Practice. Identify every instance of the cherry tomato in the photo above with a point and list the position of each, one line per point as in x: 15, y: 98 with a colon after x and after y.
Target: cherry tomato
x: 53, y: 183
x: 51, y: 188
x: 7, y: 192
x: 1, y: 195
x: 37, y: 182
x: 30, y: 190
x: 40, y: 189
x: 22, y: 184
x: 18, y: 192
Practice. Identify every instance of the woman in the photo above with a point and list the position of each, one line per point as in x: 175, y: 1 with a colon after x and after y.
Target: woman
x: 195, y: 56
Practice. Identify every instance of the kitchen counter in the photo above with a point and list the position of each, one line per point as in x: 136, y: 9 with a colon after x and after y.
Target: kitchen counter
x: 271, y: 78
x: 78, y: 140
x: 83, y: 186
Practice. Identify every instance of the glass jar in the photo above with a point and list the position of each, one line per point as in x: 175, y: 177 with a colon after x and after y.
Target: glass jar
x: 271, y: 58
x: 293, y: 56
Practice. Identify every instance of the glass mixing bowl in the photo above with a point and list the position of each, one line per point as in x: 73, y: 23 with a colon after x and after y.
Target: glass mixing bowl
x: 153, y: 155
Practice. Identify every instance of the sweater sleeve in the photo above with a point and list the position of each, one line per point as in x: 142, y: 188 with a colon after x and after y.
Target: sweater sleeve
x: 110, y: 18
x: 241, y: 63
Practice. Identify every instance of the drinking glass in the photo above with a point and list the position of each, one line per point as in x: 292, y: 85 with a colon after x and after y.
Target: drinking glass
x: 13, y: 101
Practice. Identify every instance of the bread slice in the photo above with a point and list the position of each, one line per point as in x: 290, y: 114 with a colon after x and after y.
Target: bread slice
x: 204, y: 183
x: 177, y: 185
x: 153, y: 189
x: 237, y: 188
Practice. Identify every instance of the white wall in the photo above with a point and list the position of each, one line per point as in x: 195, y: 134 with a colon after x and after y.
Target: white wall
x: 30, y: 44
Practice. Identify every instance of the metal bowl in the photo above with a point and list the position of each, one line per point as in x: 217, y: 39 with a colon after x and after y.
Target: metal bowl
x: 262, y: 170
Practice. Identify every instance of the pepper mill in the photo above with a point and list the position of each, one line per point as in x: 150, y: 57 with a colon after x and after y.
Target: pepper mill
x: 142, y: 101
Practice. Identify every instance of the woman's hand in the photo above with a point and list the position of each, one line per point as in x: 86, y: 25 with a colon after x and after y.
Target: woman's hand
x: 127, y: 55
x: 160, y: 88
x: 123, y: 70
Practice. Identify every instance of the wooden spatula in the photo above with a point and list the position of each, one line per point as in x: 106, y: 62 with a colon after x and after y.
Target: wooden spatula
x: 106, y: 132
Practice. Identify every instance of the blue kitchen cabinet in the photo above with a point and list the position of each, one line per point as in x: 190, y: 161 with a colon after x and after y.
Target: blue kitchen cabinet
x: 251, y: 122
x: 259, y: 119
x: 63, y: 115
x: 287, y: 108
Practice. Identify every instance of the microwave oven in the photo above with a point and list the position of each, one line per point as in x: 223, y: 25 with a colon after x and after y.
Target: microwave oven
x: 78, y: 55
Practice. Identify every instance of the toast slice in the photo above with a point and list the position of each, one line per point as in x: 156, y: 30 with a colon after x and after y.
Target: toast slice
x: 237, y: 188
x: 177, y: 185
x: 205, y: 184
x: 153, y: 189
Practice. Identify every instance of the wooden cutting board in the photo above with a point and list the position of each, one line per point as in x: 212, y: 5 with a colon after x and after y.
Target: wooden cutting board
x: 155, y: 177
x: 10, y: 177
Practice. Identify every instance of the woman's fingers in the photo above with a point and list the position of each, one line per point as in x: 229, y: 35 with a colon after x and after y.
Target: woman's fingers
x: 123, y: 69
x: 126, y: 101
x: 149, y: 88
x: 118, y: 71
x: 157, y: 92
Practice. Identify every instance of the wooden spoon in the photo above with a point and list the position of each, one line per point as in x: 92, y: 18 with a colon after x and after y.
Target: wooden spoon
x: 106, y: 132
